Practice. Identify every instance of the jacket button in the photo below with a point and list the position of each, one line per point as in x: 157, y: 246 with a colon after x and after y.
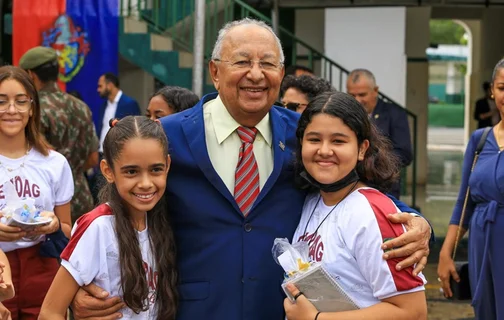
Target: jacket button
x: 248, y: 227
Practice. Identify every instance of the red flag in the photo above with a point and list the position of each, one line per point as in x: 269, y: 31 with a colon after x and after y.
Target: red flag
x: 30, y: 19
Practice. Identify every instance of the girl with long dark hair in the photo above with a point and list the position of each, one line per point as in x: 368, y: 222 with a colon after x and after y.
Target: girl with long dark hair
x: 125, y: 245
x: 33, y: 170
x: 346, y: 165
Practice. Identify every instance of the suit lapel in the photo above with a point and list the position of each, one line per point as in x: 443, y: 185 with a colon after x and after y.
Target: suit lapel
x: 118, y: 113
x: 193, y: 126
x: 99, y: 125
x: 377, y: 113
x: 280, y: 152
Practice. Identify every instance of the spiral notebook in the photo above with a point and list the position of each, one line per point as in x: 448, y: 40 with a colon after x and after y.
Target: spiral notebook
x: 322, y: 290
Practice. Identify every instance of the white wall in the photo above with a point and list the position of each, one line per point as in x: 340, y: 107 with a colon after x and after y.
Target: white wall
x: 371, y: 38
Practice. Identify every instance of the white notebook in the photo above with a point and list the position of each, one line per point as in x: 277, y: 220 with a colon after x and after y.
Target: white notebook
x: 322, y: 290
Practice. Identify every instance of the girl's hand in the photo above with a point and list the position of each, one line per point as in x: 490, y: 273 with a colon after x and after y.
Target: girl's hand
x: 6, y: 291
x: 52, y: 227
x: 2, y: 266
x: 302, y: 309
x: 4, y: 313
x: 9, y: 234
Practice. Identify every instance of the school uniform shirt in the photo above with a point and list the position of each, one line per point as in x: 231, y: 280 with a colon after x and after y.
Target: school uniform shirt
x: 92, y: 256
x: 348, y: 243
x: 48, y: 180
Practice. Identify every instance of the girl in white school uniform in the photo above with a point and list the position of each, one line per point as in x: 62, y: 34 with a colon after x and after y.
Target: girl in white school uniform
x: 346, y: 163
x: 29, y: 166
x: 125, y: 245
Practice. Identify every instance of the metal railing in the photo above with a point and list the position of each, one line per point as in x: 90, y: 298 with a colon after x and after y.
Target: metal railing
x: 175, y: 19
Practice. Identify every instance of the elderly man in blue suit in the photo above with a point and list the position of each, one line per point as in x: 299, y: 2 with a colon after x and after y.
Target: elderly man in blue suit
x: 231, y: 188
x: 391, y: 119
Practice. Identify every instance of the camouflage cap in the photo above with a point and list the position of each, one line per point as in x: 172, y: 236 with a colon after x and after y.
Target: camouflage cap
x: 36, y: 57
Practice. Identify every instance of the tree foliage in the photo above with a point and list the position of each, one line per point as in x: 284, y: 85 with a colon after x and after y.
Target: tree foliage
x: 446, y: 32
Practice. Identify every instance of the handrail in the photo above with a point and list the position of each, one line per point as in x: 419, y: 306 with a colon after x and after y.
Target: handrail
x: 175, y: 18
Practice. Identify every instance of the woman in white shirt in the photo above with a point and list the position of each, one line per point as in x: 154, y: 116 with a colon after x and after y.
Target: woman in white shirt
x: 29, y: 169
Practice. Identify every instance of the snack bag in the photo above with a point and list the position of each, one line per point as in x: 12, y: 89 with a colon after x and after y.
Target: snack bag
x: 292, y: 258
x: 20, y: 212
x: 311, y: 278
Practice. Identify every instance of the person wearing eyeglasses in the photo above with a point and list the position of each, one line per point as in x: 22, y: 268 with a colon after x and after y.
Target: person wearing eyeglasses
x: 66, y: 123
x: 297, y: 92
x: 29, y: 169
x: 231, y: 188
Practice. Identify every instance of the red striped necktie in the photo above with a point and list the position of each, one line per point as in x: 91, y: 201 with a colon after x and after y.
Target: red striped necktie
x: 247, y: 173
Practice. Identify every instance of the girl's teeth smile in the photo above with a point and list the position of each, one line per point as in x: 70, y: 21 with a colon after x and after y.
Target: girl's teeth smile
x: 144, y: 196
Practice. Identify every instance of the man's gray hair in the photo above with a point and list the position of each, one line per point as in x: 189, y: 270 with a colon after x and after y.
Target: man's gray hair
x: 355, y: 75
x: 217, y: 50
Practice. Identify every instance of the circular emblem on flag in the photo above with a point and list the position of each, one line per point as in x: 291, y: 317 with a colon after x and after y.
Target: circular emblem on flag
x: 70, y: 42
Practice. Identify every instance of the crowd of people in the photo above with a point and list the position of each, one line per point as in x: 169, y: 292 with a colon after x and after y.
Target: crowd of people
x: 181, y: 206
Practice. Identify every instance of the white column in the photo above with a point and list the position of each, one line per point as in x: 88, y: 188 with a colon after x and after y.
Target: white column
x: 473, y: 75
x: 417, y: 84
x: 451, y: 74
x: 198, y: 48
x: 370, y: 38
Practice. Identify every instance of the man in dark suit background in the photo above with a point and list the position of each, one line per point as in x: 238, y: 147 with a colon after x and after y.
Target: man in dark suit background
x: 117, y: 104
x: 391, y: 119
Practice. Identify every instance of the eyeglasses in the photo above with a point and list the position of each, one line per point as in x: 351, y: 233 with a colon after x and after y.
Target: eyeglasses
x: 293, y: 105
x: 21, y: 104
x: 249, y: 64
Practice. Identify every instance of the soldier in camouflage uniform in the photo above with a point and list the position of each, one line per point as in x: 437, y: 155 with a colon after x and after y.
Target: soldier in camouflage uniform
x: 66, y: 123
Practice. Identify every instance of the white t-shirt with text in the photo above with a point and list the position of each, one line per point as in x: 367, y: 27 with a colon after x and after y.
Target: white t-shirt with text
x: 92, y: 256
x: 48, y: 180
x: 349, y: 243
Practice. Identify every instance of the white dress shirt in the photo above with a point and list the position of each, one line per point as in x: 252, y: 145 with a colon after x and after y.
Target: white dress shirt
x: 223, y: 143
x: 109, y: 113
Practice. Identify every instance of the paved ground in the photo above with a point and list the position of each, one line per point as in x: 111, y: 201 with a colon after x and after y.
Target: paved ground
x: 445, y: 136
x: 439, y: 198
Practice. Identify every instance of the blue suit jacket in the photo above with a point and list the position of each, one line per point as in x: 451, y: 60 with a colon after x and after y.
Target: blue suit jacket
x: 226, y: 269
x: 392, y: 121
x: 126, y: 106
